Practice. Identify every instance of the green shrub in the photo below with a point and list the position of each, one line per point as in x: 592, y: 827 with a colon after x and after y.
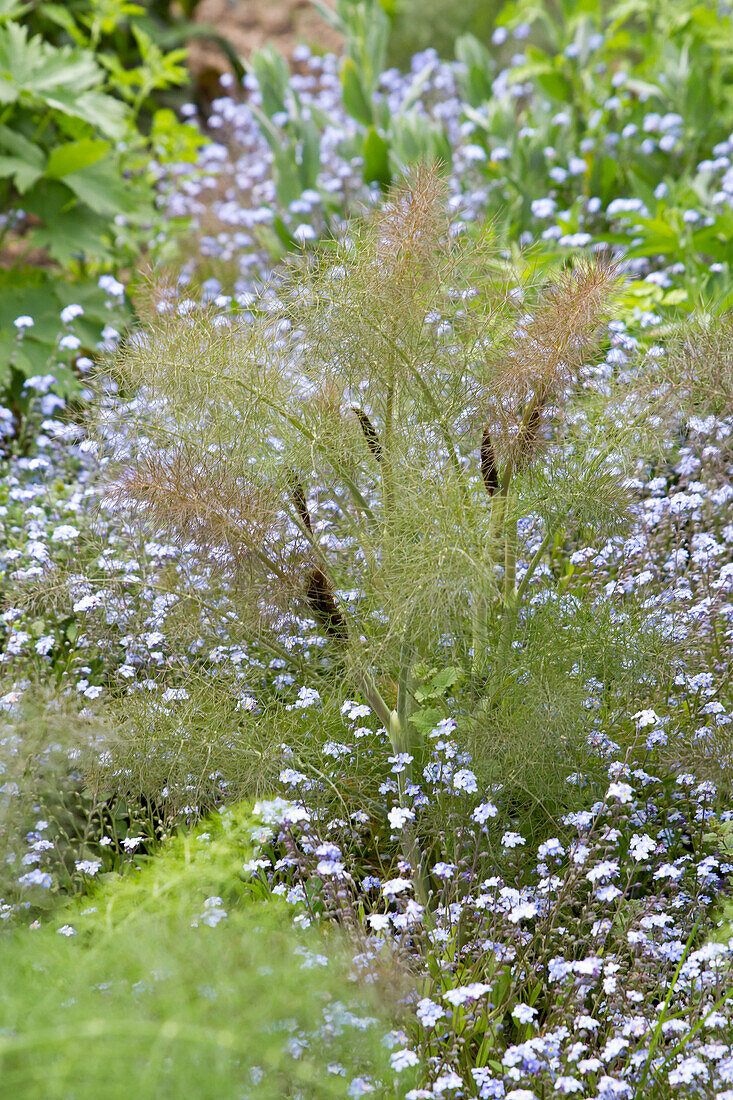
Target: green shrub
x: 77, y: 196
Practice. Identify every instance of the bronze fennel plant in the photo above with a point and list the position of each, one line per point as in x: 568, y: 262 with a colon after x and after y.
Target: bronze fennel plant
x: 360, y: 445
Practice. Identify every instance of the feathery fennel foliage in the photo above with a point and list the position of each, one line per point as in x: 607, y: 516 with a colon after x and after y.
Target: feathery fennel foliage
x: 362, y: 446
x: 176, y: 982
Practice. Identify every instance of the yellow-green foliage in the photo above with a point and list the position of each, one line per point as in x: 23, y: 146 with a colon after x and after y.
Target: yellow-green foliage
x: 147, y: 1000
x: 379, y: 422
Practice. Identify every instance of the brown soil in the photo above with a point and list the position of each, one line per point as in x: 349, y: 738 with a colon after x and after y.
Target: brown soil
x: 251, y: 24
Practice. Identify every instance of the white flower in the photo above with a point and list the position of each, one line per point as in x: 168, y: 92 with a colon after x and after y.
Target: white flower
x: 447, y: 1081
x: 465, y: 780
x: 304, y: 232
x: 551, y: 847
x: 214, y: 912
x: 66, y: 930
x: 41, y: 383
x: 543, y: 208
x: 428, y: 1013
x: 464, y: 993
x: 511, y: 840
x: 88, y: 866
x: 483, y: 812
x: 641, y: 846
x: 327, y: 867
x: 524, y: 1014
x: 399, y: 816
x: 70, y: 342
x: 622, y: 791
x: 68, y: 313
x: 403, y: 1059
x: 110, y: 286
x: 396, y: 886
x: 524, y: 911
x: 36, y: 878
x: 65, y: 532
x: 307, y: 697
x: 352, y: 710
x: 360, y: 1086
x: 86, y: 603
x: 23, y: 322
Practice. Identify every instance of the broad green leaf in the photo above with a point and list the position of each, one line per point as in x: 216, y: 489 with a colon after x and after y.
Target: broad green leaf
x: 273, y: 77
x: 355, y: 100
x: 446, y: 678
x: 376, y: 159
x: 17, y: 143
x: 74, y: 233
x: 27, y: 162
x: 102, y: 189
x: 287, y: 176
x: 23, y: 173
x: 62, y: 78
x: 556, y: 85
x: 310, y: 164
x: 75, y: 155
x: 12, y: 9
x: 102, y: 111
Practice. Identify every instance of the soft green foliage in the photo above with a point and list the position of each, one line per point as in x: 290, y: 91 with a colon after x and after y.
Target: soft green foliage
x: 387, y: 414
x: 176, y: 983
x: 75, y: 188
x: 42, y: 294
x: 43, y: 746
x: 390, y: 143
x: 604, y: 73
x: 436, y: 24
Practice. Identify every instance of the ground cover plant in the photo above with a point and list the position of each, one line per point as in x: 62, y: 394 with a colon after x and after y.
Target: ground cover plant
x: 405, y: 514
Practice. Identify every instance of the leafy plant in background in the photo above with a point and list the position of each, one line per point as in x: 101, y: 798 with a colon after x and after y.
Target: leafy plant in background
x: 76, y: 193
x: 129, y: 32
x: 640, y: 90
x: 418, y: 25
x: 388, y: 142
x: 581, y: 131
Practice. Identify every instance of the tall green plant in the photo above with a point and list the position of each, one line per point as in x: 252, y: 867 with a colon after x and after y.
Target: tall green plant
x: 414, y: 408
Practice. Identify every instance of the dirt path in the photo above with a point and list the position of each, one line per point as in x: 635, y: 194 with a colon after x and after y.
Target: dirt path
x: 250, y: 24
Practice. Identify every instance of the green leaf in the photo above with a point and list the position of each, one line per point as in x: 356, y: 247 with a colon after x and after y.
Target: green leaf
x: 446, y: 678
x: 11, y: 9
x: 376, y: 159
x: 556, y: 85
x: 75, y: 232
x: 273, y: 76
x: 287, y: 176
x: 103, y: 191
x: 310, y: 164
x: 27, y: 163
x: 355, y: 99
x: 426, y: 720
x: 62, y: 78
x: 75, y: 155
x: 23, y: 173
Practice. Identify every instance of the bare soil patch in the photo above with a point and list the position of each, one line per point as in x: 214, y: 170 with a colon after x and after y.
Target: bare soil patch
x: 251, y: 24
